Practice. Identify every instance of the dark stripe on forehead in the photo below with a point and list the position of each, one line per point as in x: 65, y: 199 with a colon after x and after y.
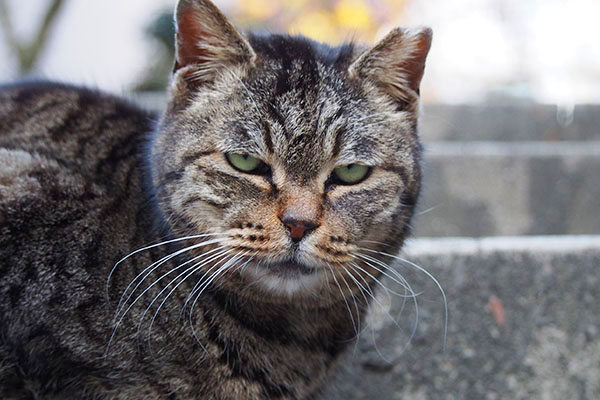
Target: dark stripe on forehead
x: 335, y: 117
x: 339, y: 138
x: 276, y: 115
x: 267, y: 136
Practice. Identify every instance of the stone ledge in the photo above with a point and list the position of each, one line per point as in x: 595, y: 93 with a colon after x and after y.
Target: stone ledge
x: 509, y: 122
x: 489, y: 189
x: 529, y: 149
x: 557, y: 244
x: 524, y: 323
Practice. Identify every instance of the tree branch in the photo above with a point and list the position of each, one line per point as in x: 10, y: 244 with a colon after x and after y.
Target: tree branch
x: 7, y: 28
x: 29, y: 53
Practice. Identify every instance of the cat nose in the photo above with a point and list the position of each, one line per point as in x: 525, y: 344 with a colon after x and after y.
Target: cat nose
x: 297, y: 226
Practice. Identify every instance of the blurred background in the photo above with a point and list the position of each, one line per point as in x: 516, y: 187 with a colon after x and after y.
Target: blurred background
x: 533, y: 50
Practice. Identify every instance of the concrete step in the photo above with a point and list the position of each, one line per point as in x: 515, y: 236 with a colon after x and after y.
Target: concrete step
x: 509, y: 122
x: 523, y: 323
x: 510, y: 188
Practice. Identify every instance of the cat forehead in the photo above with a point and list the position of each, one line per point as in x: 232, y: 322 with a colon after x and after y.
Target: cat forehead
x: 295, y: 69
x: 299, y: 104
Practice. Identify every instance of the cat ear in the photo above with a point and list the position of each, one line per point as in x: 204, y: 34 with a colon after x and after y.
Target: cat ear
x: 206, y: 40
x: 396, y: 63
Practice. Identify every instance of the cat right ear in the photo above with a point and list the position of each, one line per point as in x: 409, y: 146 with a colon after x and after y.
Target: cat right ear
x: 206, y: 41
x: 396, y: 64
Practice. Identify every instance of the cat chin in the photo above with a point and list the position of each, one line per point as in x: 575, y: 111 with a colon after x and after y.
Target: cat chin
x: 282, y: 282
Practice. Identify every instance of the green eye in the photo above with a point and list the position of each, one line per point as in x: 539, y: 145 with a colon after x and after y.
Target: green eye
x: 245, y: 162
x: 351, y: 174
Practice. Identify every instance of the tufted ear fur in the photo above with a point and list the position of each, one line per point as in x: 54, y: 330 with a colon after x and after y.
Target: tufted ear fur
x: 396, y: 63
x: 206, y: 41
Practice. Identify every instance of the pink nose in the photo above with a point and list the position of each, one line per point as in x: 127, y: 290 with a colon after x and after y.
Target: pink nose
x: 298, y: 228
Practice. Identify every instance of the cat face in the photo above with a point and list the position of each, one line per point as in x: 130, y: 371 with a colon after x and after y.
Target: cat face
x: 297, y: 157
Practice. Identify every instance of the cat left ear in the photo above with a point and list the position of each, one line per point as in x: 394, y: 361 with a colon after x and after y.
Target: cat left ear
x: 396, y: 63
x: 206, y: 40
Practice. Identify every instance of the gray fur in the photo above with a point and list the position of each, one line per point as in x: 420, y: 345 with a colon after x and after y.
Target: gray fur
x: 87, y: 179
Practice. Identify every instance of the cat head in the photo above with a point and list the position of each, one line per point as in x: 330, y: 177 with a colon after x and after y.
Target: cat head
x: 300, y: 159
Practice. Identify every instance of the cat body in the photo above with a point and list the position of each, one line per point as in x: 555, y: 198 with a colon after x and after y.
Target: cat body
x: 257, y: 202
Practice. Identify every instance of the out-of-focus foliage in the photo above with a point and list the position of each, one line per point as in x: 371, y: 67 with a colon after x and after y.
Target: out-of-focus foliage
x: 332, y: 21
x: 28, y: 52
x: 162, y: 32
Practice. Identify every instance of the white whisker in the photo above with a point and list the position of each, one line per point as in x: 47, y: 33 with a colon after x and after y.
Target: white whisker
x: 413, y: 296
x: 150, y: 247
x: 152, y: 267
x: 370, y: 293
x: 428, y: 210
x: 375, y: 298
x: 376, y: 242
x: 404, y: 284
x: 355, y: 305
x: 400, y: 281
x: 189, y: 271
x: 225, y: 266
x: 423, y: 270
x: 344, y: 298
x: 220, y: 271
x: 120, y: 319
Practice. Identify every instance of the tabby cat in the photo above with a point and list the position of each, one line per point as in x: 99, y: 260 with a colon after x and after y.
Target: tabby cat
x: 224, y: 251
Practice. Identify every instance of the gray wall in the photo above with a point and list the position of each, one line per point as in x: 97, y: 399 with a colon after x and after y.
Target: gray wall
x: 510, y: 170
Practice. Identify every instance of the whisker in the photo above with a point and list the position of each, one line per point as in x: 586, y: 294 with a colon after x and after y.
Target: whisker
x: 370, y: 293
x: 200, y: 285
x: 376, y: 242
x: 414, y: 297
x: 344, y: 298
x: 404, y: 283
x: 224, y: 267
x: 356, y: 268
x: 208, y: 282
x: 428, y: 210
x: 151, y: 247
x: 149, y: 269
x: 375, y: 298
x: 400, y: 281
x: 152, y: 267
x: 189, y: 271
x: 355, y: 304
x: 120, y: 320
x: 430, y: 276
x: 362, y: 292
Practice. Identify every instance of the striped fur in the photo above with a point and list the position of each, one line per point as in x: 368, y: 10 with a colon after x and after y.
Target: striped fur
x: 86, y: 179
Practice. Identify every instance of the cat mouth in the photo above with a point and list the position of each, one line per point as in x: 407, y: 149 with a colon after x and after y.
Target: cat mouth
x: 289, y: 268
